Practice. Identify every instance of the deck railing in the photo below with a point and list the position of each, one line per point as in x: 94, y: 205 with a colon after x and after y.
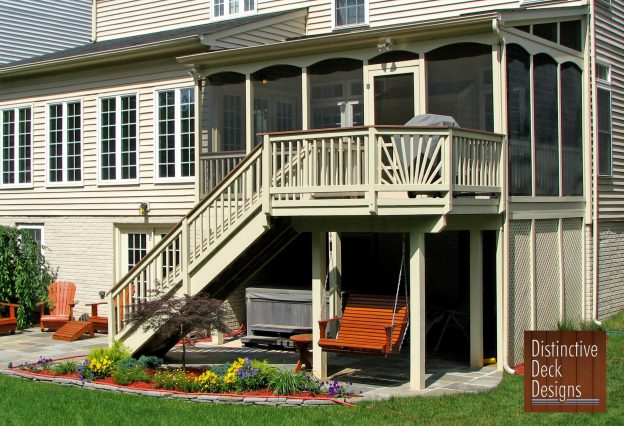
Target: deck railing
x: 215, y: 166
x: 369, y: 160
x: 314, y: 165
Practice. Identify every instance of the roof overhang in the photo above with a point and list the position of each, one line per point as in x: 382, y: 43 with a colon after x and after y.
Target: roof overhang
x: 340, y: 41
x: 200, y: 41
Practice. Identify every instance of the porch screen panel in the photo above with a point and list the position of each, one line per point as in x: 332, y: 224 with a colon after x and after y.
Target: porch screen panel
x: 225, y: 114
x: 459, y: 84
x: 573, y: 268
x: 572, y: 129
x: 55, y: 146
x: 547, y: 281
x: 166, y: 137
x: 8, y: 147
x: 545, y: 109
x: 519, y: 120
x: 336, y: 93
x: 519, y: 287
x: 277, y: 99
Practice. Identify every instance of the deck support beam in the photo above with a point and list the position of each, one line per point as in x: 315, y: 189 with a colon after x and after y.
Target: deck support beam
x: 476, y: 298
x: 417, y: 310
x: 319, y: 312
x: 500, y: 304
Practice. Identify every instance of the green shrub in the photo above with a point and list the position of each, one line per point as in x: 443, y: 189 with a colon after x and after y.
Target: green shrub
x: 150, y: 361
x: 67, y: 367
x: 126, y: 376
x: 175, y: 380
x: 221, y: 369
x: 288, y: 382
x: 569, y: 325
x: 115, y: 353
x: 589, y: 325
x: 566, y: 325
x: 24, y: 274
x: 127, y: 363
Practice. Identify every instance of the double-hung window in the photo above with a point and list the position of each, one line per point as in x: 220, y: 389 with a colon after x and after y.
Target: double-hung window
x: 175, y: 144
x: 350, y: 12
x: 65, y: 143
x: 16, y: 147
x: 605, y: 149
x: 227, y: 8
x: 118, y: 139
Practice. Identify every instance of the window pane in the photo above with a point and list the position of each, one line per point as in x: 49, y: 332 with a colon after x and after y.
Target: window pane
x: 55, y: 154
x: 74, y: 153
x: 546, y: 125
x: 8, y: 146
x: 108, y: 147
x: 219, y: 8
x: 519, y: 120
x: 128, y: 137
x: 350, y: 12
x: 187, y: 118
x: 24, y: 146
x: 166, y: 137
x: 459, y: 84
x: 137, y: 248
x: 604, y: 131
x: 571, y: 129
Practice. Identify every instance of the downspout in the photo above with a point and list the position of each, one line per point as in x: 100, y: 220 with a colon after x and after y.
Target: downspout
x: 505, y: 195
x: 595, y: 170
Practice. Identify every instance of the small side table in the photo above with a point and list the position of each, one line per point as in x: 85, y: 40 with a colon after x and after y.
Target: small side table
x: 301, y: 342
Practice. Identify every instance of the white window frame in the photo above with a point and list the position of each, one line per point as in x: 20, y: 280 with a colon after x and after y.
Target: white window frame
x: 16, y: 169
x: 602, y: 84
x: 178, y: 178
x: 226, y: 10
x: 334, y: 16
x: 64, y: 182
x: 39, y: 227
x: 154, y: 234
x: 118, y: 125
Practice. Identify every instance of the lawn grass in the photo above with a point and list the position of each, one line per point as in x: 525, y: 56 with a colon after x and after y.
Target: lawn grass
x: 27, y: 403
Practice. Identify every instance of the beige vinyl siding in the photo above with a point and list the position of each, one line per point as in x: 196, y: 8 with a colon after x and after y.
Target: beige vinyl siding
x: 609, y: 36
x: 123, y: 18
x: 92, y: 199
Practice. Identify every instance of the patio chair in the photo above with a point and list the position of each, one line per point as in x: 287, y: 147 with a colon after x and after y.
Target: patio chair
x: 100, y: 323
x: 9, y: 324
x: 61, y: 294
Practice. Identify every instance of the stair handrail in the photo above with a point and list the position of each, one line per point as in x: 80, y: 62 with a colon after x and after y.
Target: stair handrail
x: 157, y: 249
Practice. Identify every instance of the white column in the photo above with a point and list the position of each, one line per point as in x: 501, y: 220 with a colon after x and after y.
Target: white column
x: 335, y: 276
x: 249, y: 125
x: 476, y: 299
x: 417, y: 310
x: 319, y: 271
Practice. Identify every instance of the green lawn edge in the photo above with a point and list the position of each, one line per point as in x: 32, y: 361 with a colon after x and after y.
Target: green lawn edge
x: 28, y: 403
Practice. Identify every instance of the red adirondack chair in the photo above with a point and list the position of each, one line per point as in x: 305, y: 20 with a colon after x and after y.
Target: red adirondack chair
x: 61, y: 294
x: 9, y: 324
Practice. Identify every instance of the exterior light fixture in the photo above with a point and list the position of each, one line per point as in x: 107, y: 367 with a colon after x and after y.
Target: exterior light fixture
x: 143, y: 209
x: 386, y: 45
x: 102, y: 293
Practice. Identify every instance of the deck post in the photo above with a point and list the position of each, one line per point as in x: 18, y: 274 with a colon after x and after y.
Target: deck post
x: 335, y: 276
x: 417, y: 310
x: 500, y: 304
x: 476, y: 298
x: 319, y: 271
